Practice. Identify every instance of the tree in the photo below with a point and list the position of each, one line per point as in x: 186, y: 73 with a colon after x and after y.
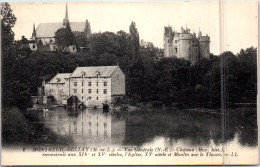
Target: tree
x: 134, y: 38
x: 40, y: 43
x: 81, y: 39
x: 64, y: 36
x: 7, y: 22
x: 8, y: 56
x: 106, y: 42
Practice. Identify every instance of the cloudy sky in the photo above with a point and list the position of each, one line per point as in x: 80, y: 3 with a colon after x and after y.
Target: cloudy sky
x: 240, y: 19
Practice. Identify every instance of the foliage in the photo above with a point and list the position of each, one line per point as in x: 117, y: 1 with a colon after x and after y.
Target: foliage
x: 169, y: 80
x: 15, y: 91
x: 134, y: 38
x: 64, y: 36
x: 15, y: 126
x: 81, y: 39
x: 7, y: 22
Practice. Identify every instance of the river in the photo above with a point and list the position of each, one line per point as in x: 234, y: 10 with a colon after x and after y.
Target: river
x: 169, y: 127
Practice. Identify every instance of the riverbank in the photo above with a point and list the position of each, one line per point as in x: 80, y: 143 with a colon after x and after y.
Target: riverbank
x: 19, y: 128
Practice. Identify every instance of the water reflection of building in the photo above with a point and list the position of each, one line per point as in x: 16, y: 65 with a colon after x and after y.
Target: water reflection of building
x: 88, y: 127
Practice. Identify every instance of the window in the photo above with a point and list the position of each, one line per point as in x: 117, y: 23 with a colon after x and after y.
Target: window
x: 117, y: 76
x: 176, y: 41
x: 33, y: 46
x: 82, y: 90
x: 176, y: 50
x: 75, y: 90
x: 105, y: 91
x: 75, y: 83
x: 105, y: 83
x: 89, y: 99
x: 89, y: 83
x: 97, y: 83
x: 82, y: 84
x: 89, y: 91
x: 82, y: 97
x: 97, y: 98
x: 97, y: 91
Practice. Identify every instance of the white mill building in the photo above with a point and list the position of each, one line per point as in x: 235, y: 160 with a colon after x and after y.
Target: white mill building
x: 93, y: 86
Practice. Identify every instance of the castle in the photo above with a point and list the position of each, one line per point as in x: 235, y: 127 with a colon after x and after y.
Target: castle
x: 43, y: 37
x: 186, y: 45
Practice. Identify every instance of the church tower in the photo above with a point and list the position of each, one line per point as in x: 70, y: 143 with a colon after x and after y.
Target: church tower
x: 66, y: 19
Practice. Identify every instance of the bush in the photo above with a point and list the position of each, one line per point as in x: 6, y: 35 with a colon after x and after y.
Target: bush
x: 15, y: 128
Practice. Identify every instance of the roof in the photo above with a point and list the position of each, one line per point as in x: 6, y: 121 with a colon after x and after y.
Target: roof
x: 49, y: 29
x: 104, y: 71
x: 59, y: 78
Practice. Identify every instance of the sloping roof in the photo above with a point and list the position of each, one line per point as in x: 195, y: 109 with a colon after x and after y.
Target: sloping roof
x: 49, y: 29
x: 104, y: 71
x: 59, y: 78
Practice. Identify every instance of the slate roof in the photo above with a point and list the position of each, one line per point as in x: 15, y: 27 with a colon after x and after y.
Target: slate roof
x: 59, y: 78
x: 49, y: 29
x: 104, y: 71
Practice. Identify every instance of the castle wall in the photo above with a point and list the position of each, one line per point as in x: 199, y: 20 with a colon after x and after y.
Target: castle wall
x: 168, y: 51
x: 176, y: 46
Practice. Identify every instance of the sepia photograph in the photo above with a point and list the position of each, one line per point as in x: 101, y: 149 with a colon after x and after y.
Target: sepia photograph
x: 129, y: 83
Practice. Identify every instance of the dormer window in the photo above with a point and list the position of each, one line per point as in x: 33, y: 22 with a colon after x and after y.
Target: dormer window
x: 58, y: 79
x: 97, y: 74
x: 82, y: 74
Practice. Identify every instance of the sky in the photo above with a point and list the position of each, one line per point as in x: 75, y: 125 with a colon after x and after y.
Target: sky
x: 239, y: 21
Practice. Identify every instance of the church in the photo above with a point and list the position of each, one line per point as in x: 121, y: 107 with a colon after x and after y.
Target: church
x: 43, y: 36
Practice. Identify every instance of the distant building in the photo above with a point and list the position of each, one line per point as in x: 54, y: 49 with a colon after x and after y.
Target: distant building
x: 43, y: 37
x: 93, y: 86
x: 186, y: 45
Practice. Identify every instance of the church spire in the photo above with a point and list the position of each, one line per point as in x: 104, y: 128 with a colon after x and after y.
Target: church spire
x: 66, y: 14
x: 66, y: 19
x: 34, y: 33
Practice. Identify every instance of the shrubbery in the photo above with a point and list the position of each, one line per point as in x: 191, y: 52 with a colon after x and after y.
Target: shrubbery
x: 15, y: 127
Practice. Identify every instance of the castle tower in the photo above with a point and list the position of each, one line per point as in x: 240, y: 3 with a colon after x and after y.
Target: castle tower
x: 34, y: 33
x: 66, y: 20
x: 204, y: 49
x: 185, y: 44
x: 167, y: 40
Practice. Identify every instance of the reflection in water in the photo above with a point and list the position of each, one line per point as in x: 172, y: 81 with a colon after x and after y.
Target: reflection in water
x: 87, y: 127
x: 93, y: 127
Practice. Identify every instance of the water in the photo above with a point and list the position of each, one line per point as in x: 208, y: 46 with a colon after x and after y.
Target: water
x: 171, y: 128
